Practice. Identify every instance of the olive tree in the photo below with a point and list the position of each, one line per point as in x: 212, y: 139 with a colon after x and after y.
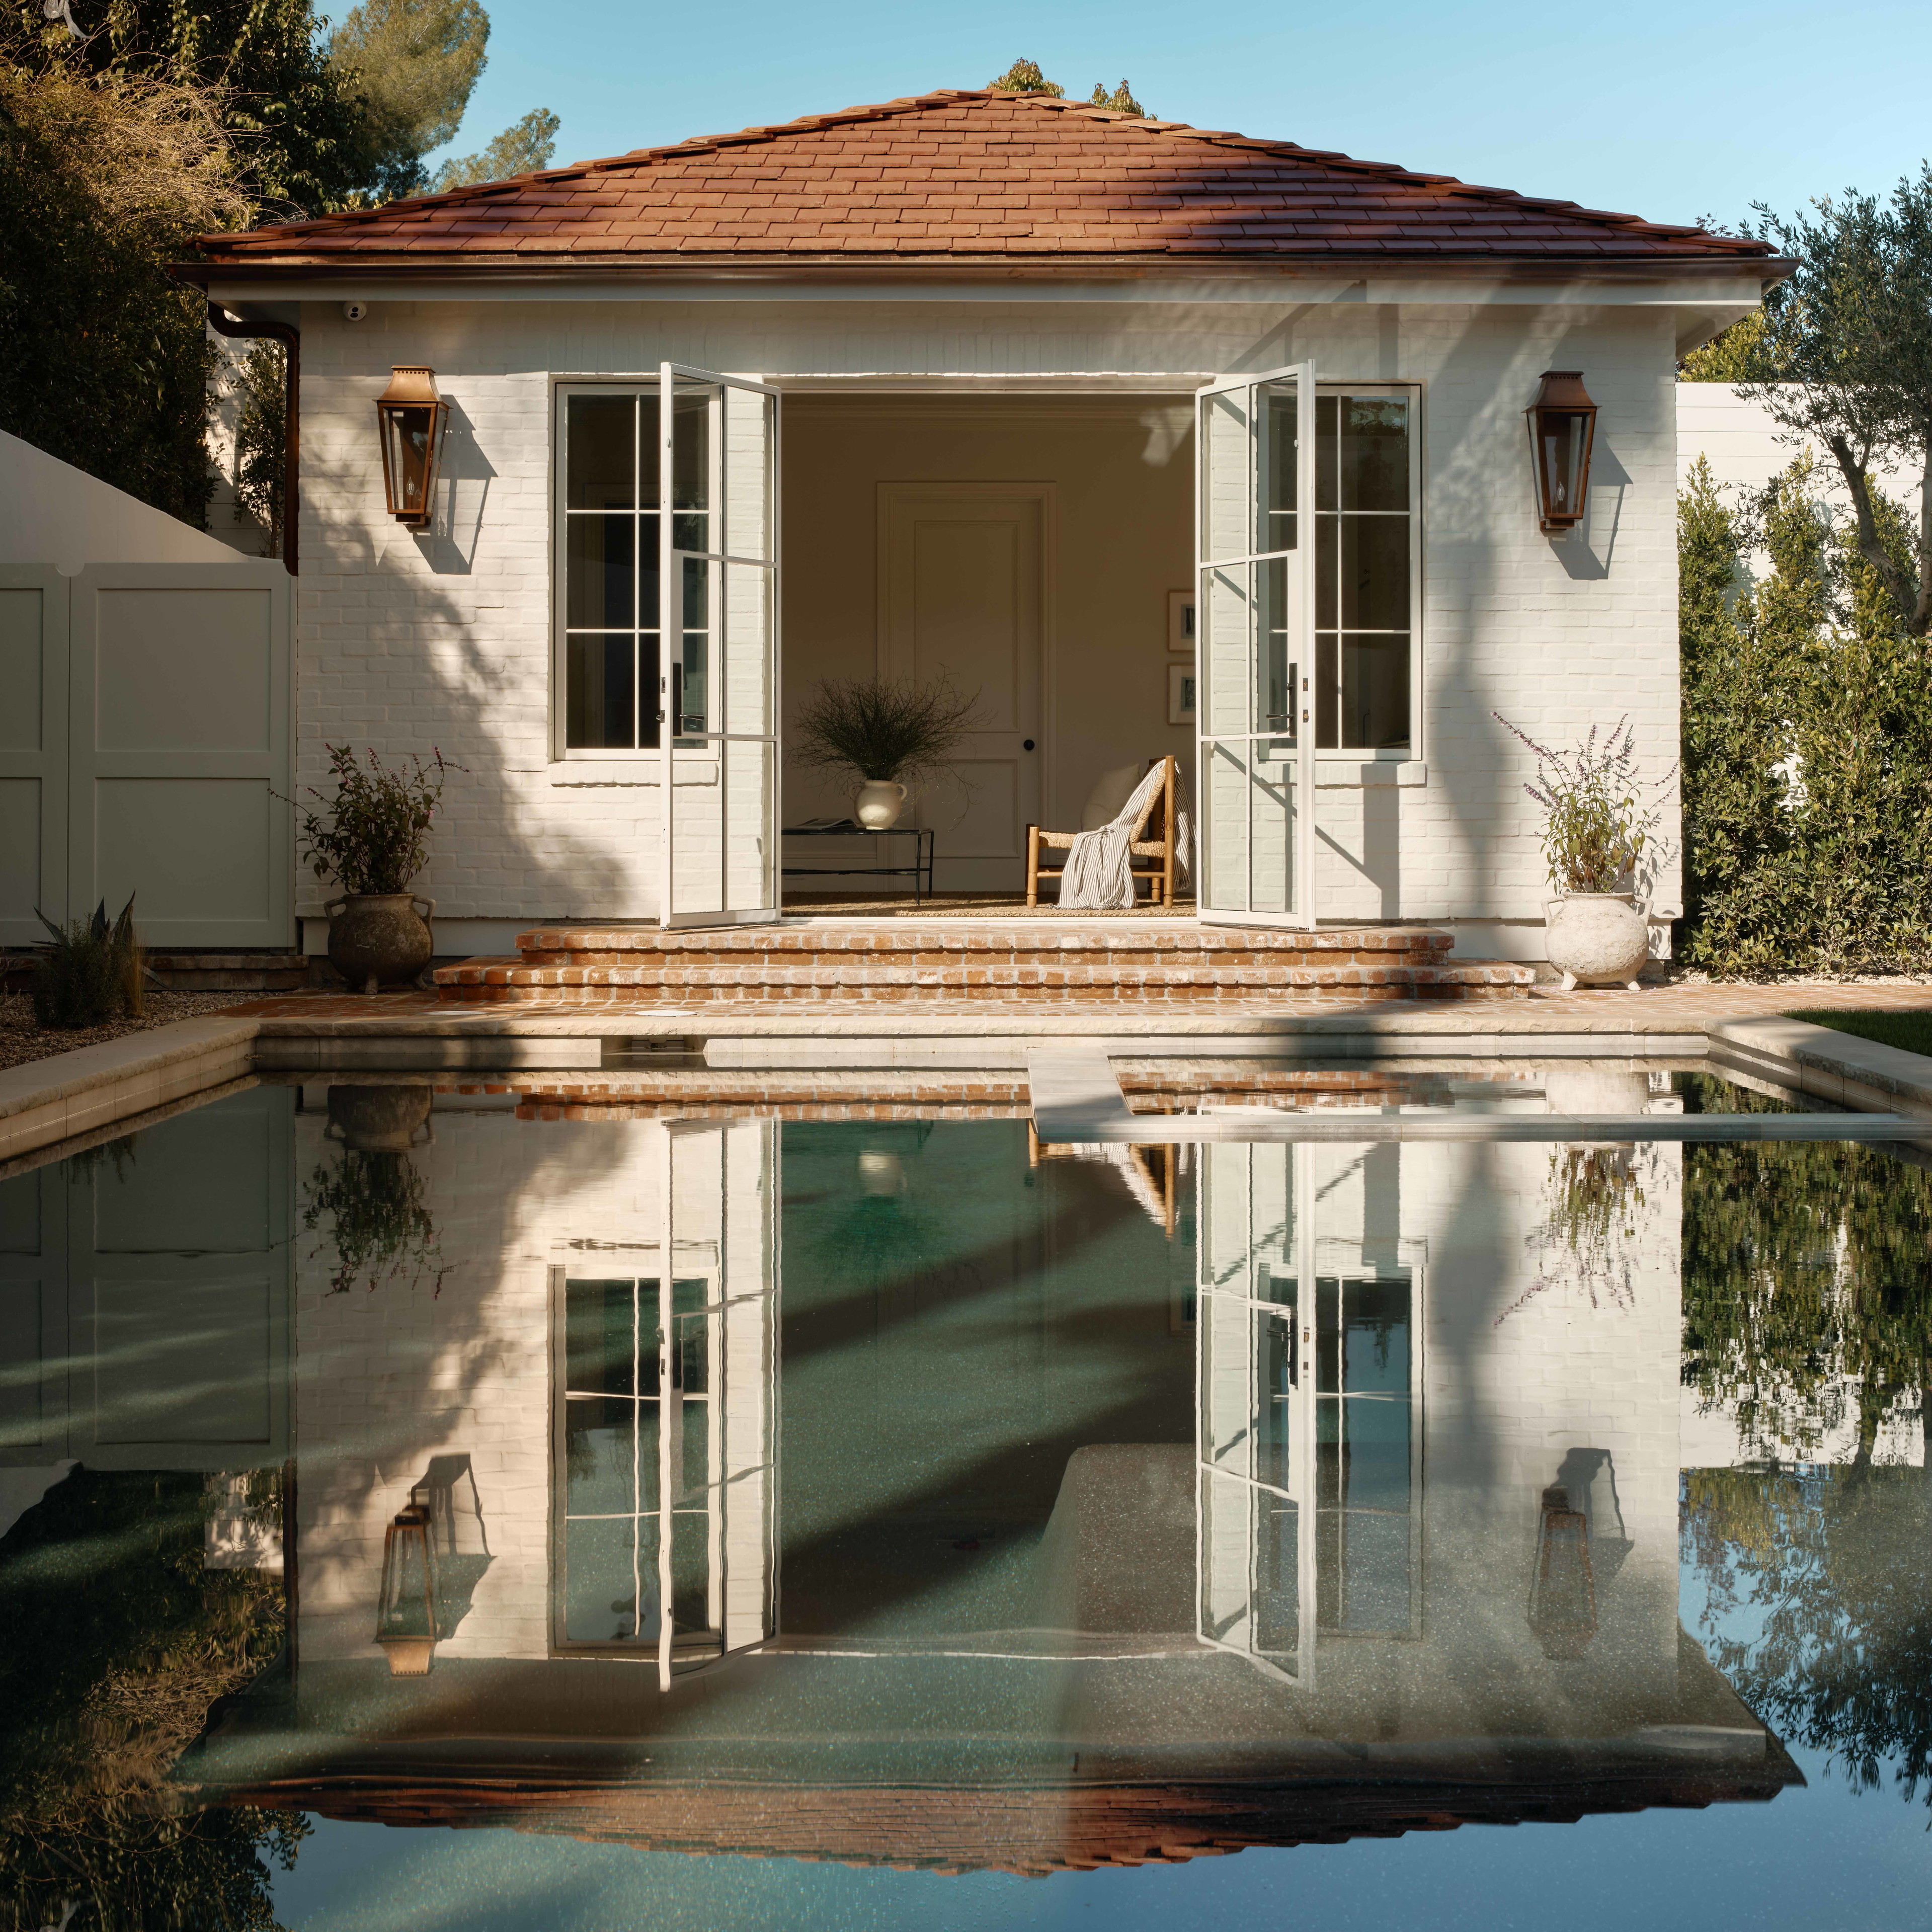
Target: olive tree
x: 1845, y: 357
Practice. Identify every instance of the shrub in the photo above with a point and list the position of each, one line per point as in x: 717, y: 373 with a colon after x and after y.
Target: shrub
x: 91, y: 973
x: 376, y: 839
x: 1807, y: 744
x: 1596, y: 827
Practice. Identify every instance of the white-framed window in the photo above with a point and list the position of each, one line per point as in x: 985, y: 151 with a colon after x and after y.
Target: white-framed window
x: 608, y: 553
x: 1368, y: 574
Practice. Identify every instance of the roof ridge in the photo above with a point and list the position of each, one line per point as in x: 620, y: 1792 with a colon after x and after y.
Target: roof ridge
x: 1443, y: 187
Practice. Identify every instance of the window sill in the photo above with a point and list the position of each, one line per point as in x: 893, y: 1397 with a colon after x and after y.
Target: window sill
x: 1361, y: 772
x: 583, y: 772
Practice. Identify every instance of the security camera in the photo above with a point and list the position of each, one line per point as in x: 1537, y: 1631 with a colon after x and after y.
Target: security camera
x: 354, y: 311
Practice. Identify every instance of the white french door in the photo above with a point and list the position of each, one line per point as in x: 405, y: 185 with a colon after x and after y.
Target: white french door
x: 718, y: 684
x: 1255, y: 1433
x: 1255, y: 622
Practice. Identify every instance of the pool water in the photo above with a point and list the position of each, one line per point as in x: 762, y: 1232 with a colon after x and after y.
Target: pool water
x: 428, y: 1506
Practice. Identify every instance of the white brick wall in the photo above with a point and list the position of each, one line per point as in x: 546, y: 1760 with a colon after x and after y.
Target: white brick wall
x: 408, y: 642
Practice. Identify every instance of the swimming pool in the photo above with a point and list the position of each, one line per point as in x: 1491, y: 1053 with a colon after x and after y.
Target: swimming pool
x: 925, y: 1522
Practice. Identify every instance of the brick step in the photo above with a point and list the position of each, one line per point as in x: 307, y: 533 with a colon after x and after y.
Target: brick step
x: 1092, y: 940
x: 510, y: 982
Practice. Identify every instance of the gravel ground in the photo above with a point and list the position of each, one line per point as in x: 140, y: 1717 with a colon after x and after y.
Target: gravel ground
x: 21, y: 1039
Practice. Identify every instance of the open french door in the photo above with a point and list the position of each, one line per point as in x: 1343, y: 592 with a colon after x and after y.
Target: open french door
x: 1256, y: 1423
x: 717, y: 686
x: 1255, y: 622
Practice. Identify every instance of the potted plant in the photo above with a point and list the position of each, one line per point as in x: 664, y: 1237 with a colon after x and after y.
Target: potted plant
x: 375, y: 841
x: 1597, y: 829
x: 884, y: 734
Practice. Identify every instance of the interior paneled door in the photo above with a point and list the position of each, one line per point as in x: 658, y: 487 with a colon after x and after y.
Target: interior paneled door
x: 963, y: 571
x: 718, y: 673
x: 1256, y: 624
x: 1255, y: 1370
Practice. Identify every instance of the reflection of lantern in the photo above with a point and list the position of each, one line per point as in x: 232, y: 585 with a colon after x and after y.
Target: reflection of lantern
x: 409, y: 417
x: 1562, y: 1591
x: 1562, y: 425
x: 406, y: 1617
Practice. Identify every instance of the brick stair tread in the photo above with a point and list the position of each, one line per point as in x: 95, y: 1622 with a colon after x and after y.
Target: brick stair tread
x: 1040, y: 936
x: 780, y: 978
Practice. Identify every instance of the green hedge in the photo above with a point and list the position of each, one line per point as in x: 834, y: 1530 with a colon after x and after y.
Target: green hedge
x: 1807, y: 745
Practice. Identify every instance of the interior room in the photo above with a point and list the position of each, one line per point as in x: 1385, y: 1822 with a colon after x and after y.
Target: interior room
x: 1034, y: 549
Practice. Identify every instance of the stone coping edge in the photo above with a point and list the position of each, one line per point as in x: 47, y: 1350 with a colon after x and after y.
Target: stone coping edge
x: 70, y: 1094
x: 1830, y: 1065
x: 86, y: 1068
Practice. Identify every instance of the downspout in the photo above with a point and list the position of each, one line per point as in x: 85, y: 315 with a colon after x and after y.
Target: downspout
x: 290, y: 337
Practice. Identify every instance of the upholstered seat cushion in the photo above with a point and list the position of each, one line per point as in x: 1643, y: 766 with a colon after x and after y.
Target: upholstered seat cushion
x: 1109, y: 796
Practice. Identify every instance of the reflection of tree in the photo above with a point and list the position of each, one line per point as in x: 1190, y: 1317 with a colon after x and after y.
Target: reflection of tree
x: 382, y: 1231
x: 1837, y: 1564
x: 1807, y: 1292
x: 1807, y: 1268
x: 1587, y: 1237
x: 119, y: 1642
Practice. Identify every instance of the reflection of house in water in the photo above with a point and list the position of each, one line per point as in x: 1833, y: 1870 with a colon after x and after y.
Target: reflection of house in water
x: 1003, y: 1542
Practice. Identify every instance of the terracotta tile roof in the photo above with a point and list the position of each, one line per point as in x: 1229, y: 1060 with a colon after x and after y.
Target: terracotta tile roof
x: 971, y: 178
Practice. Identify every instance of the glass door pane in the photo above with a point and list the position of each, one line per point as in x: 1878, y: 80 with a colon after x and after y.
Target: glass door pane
x: 718, y: 688
x: 1255, y: 1451
x: 1256, y: 627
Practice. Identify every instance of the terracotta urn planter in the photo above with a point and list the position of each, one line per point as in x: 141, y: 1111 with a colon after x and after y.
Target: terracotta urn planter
x: 378, y: 1120
x: 380, y: 939
x: 879, y: 803
x: 1598, y: 939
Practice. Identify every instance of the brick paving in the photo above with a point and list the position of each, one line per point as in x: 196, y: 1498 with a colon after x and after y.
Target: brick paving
x: 1682, y: 1007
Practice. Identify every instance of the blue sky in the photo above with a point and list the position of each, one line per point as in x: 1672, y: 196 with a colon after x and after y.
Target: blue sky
x: 1666, y: 110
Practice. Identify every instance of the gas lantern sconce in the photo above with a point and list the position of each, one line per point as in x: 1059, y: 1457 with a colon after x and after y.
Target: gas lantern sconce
x: 409, y: 419
x: 1562, y: 426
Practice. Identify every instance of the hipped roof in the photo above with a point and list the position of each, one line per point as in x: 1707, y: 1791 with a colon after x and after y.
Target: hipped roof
x: 973, y: 179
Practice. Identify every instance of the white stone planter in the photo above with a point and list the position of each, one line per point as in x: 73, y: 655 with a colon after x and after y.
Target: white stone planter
x: 879, y: 803
x: 1598, y: 939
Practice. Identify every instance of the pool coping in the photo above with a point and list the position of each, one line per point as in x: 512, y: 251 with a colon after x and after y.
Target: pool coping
x: 71, y: 1094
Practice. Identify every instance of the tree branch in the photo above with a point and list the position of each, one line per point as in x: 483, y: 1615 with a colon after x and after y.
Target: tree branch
x: 1910, y: 600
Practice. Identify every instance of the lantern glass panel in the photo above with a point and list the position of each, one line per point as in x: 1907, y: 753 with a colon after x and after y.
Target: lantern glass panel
x: 408, y: 1584
x: 409, y: 430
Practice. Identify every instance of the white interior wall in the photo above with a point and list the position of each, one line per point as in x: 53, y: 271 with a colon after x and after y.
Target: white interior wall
x: 1124, y: 506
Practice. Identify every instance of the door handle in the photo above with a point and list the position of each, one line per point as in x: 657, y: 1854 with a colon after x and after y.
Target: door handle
x: 1026, y: 745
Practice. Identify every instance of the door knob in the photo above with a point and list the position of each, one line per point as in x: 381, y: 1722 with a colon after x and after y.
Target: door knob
x: 1026, y: 746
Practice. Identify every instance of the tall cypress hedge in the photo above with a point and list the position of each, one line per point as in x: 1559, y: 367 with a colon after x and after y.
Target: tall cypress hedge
x: 1807, y: 746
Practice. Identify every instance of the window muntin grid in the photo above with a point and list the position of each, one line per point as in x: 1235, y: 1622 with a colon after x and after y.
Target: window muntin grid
x: 1367, y: 522
x: 608, y: 563
x: 614, y: 1461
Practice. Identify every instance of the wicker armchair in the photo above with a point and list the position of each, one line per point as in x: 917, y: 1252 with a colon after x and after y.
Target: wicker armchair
x: 1152, y: 856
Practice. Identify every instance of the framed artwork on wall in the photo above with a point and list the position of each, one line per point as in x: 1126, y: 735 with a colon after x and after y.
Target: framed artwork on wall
x: 1181, y: 694
x: 1180, y: 620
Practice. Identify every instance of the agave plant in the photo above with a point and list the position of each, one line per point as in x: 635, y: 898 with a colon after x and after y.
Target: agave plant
x: 90, y: 974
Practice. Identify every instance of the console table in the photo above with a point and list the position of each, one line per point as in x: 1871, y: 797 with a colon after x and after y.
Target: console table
x: 919, y: 871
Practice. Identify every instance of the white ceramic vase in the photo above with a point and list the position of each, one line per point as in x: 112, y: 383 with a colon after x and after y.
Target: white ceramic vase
x: 1596, y: 939
x: 880, y: 802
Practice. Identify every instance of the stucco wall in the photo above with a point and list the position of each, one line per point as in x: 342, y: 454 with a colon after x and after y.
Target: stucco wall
x: 408, y: 642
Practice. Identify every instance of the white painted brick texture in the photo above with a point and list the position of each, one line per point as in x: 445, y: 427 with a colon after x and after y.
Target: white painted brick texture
x: 408, y: 643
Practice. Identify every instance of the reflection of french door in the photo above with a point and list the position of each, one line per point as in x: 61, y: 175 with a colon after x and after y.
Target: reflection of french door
x: 1254, y: 627
x: 962, y: 597
x: 718, y: 678
x: 665, y: 1414
x: 1308, y: 1445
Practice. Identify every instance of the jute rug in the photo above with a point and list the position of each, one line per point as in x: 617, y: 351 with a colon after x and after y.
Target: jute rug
x: 960, y: 905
